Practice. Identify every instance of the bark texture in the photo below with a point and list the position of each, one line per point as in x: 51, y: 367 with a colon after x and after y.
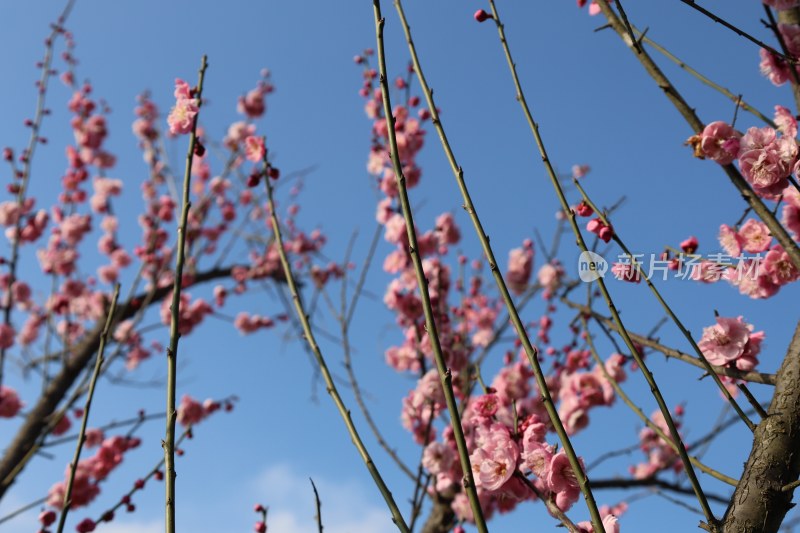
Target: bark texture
x: 758, y: 504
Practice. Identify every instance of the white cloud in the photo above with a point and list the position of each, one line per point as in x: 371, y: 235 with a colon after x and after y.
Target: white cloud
x: 345, y: 506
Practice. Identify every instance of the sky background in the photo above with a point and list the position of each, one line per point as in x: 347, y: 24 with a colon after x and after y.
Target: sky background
x: 594, y: 105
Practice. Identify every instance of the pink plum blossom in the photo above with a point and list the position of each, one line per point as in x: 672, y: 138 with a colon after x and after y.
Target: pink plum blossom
x: 10, y: 403
x: 755, y: 236
x: 728, y: 340
x: 181, y: 118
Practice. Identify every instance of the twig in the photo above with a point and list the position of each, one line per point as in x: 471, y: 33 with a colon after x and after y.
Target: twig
x: 23, y: 509
x: 688, y: 336
x: 688, y: 113
x: 737, y: 31
x: 754, y: 377
x: 703, y: 79
x: 445, y: 376
x: 73, y: 467
x: 317, y: 502
x: 638, y: 411
x: 752, y: 399
x: 397, y: 517
x: 174, y: 335
x: 603, y: 289
x: 625, y: 483
x: 345, y: 316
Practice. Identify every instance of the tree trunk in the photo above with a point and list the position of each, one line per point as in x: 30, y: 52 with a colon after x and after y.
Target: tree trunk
x: 758, y: 504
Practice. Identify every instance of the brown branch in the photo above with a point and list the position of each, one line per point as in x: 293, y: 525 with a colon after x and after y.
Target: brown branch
x: 759, y: 504
x: 627, y: 483
x: 751, y: 376
x: 738, y: 31
x: 688, y: 113
x: 37, y: 422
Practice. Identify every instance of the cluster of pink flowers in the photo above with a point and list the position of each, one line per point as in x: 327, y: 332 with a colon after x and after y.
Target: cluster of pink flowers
x: 192, y: 412
x: 765, y: 159
x: 732, y: 342
x: 181, y: 117
x: 499, y: 452
x: 660, y: 455
x: 604, y: 231
x: 247, y: 323
x: 520, y: 266
x: 252, y: 105
x: 91, y: 471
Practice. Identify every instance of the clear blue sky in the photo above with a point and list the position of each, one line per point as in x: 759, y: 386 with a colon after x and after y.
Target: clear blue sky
x: 594, y: 105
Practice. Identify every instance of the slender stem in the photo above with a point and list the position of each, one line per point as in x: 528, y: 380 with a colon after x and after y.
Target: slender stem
x: 23, y: 509
x: 317, y: 502
x: 174, y: 334
x: 703, y: 79
x: 606, y: 296
x: 530, y: 350
x: 634, y: 43
x: 643, y: 417
x: 752, y: 399
x: 625, y: 483
x: 73, y: 467
x: 344, y: 412
x: 773, y: 25
x: 687, y: 335
x: 738, y: 31
x: 444, y: 373
x: 33, y: 141
x: 344, y: 317
x: 688, y: 113
x: 646, y: 342
x: 550, y: 504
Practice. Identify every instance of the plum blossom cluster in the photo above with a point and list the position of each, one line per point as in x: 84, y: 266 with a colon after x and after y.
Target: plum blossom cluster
x: 660, y: 454
x: 767, y: 158
x: 182, y: 116
x: 506, y: 427
x: 50, y: 322
x: 732, y: 342
x: 93, y: 471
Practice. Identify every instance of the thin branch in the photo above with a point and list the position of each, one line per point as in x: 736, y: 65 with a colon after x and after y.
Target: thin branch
x: 445, y: 376
x: 638, y: 411
x: 174, y: 335
x: 603, y: 289
x: 331, y: 388
x: 646, y: 342
x: 73, y: 467
x: 738, y: 31
x: 27, y: 158
x: 688, y: 336
x: 627, y: 483
x: 737, y: 99
x: 318, y: 516
x: 688, y: 113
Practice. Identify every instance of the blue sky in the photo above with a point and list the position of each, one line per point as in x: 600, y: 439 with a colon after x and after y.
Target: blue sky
x: 594, y: 105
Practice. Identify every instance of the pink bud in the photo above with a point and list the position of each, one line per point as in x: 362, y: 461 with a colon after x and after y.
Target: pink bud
x: 481, y: 15
x: 47, y: 518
